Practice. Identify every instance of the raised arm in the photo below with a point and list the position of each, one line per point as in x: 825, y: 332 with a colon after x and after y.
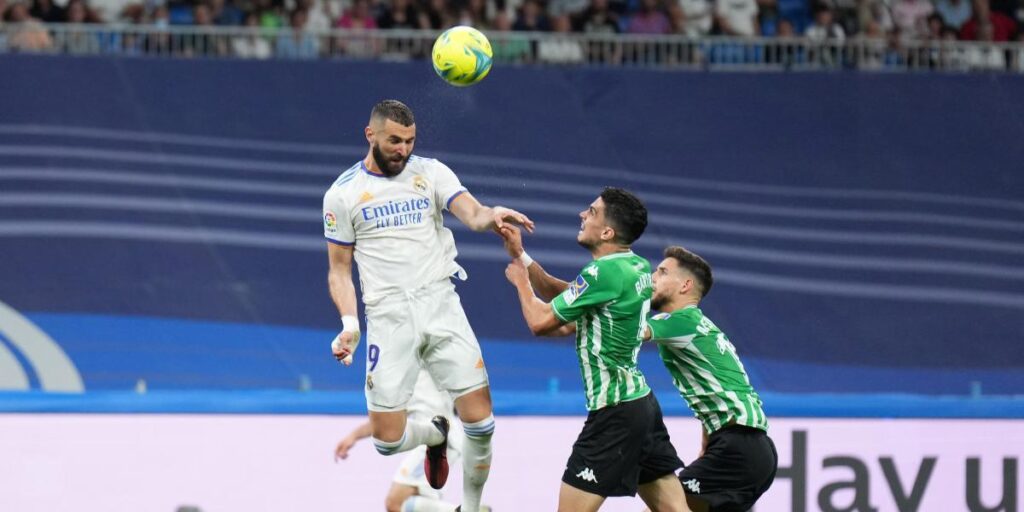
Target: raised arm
x: 343, y: 293
x: 361, y: 432
x: 539, y: 316
x: 546, y: 285
x: 478, y: 217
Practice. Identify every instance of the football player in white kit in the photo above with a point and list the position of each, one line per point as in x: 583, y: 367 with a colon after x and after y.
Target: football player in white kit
x: 409, y: 490
x: 386, y: 213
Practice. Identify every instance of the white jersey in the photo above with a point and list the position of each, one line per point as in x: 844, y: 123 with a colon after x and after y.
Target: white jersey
x: 396, y: 225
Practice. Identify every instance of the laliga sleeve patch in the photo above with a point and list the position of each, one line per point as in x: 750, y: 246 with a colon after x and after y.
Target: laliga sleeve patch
x: 575, y: 289
x: 330, y: 223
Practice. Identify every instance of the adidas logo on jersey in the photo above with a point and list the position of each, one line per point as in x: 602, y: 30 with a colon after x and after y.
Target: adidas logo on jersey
x: 693, y: 485
x: 587, y: 474
x: 365, y: 197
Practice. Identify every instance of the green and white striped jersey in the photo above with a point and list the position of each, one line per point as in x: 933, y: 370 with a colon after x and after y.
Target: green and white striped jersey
x: 609, y: 302
x: 706, y: 370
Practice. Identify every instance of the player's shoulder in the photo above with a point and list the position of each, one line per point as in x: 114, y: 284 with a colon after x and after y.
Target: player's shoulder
x: 346, y: 178
x: 686, y: 319
x: 345, y: 182
x: 421, y: 164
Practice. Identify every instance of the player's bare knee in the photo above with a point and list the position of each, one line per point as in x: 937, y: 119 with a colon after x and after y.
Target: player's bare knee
x: 475, y: 405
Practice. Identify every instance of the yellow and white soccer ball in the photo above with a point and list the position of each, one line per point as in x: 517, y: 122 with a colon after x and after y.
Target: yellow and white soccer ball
x: 462, y: 56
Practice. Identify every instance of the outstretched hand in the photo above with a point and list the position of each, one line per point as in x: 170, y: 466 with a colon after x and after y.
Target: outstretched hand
x: 341, y: 451
x: 503, y: 216
x: 512, y: 237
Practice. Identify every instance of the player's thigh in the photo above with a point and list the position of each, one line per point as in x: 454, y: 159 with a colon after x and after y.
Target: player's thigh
x: 664, y: 494
x: 391, y: 362
x: 571, y: 499
x: 605, y: 458
x: 659, y: 457
x: 452, y: 353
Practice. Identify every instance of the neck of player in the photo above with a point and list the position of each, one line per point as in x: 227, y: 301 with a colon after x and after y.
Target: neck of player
x: 679, y: 302
x: 606, y: 248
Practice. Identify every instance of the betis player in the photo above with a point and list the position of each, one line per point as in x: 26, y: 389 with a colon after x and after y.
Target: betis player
x: 738, y: 460
x: 624, y: 446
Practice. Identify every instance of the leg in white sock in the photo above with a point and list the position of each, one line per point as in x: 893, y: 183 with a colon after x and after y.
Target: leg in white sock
x: 476, y: 461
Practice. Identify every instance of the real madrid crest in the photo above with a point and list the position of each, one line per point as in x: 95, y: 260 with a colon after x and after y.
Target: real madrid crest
x: 420, y: 184
x: 369, y: 382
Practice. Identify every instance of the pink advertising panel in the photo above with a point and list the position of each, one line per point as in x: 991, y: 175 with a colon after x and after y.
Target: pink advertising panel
x: 141, y: 463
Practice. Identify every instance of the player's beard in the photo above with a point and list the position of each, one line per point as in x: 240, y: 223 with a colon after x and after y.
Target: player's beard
x: 389, y: 168
x: 657, y: 302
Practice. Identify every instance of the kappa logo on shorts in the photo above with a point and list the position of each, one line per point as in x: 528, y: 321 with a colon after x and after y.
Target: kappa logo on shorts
x: 693, y: 485
x: 587, y: 475
x: 576, y: 288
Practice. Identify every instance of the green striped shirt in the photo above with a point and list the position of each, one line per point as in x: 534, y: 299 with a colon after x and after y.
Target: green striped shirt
x: 706, y: 370
x: 609, y: 302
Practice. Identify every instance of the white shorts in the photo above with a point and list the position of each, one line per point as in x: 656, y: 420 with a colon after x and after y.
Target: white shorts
x: 410, y: 471
x: 425, y: 328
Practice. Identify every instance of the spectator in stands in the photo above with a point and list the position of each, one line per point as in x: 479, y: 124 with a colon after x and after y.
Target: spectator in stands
x: 297, y: 43
x: 509, y: 47
x: 439, y: 14
x: 695, y: 17
x: 474, y: 14
x: 204, y: 42
x: 271, y: 13
x: 531, y: 18
x: 358, y: 21
x: 874, y: 12
x: 986, y: 58
x: 737, y: 17
x: 935, y: 27
x: 158, y: 42
x: 649, y: 19
x: 77, y: 41
x: 1003, y: 27
x: 252, y: 45
x: 558, y: 48
x: 824, y: 27
x: 321, y: 14
x: 46, y: 11
x: 598, y: 18
x: 224, y: 12
x: 402, y: 14
x: 954, y: 12
x: 911, y: 17
x: 28, y: 34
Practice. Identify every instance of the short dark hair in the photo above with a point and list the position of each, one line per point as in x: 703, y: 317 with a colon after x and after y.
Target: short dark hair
x: 695, y: 265
x: 626, y: 214
x: 394, y: 110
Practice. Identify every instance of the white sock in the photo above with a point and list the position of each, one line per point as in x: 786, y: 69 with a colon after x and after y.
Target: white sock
x: 416, y: 433
x: 476, y: 461
x: 425, y: 504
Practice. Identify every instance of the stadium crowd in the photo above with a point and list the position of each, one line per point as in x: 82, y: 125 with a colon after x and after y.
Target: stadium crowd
x: 888, y: 23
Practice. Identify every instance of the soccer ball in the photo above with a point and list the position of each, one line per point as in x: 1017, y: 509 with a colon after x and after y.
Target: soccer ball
x: 462, y: 56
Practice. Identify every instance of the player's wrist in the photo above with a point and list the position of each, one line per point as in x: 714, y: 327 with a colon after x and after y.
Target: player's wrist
x: 349, y: 323
x: 525, y: 259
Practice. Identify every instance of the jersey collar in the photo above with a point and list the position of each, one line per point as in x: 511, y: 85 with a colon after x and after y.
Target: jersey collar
x: 616, y: 255
x: 362, y: 164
